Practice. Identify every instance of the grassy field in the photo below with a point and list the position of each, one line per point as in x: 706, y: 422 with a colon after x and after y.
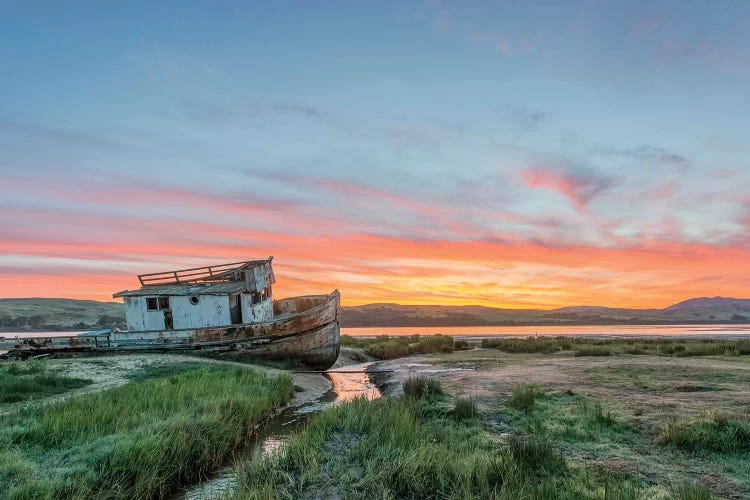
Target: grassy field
x: 524, y: 418
x: 385, y: 347
x: 23, y: 381
x: 429, y: 445
x: 667, y: 455
x: 139, y: 440
x: 582, y: 346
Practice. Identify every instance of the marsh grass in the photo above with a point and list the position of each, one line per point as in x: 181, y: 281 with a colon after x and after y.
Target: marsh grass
x: 594, y: 350
x: 669, y: 378
x: 464, y: 408
x: 26, y: 380
x: 251, y: 359
x: 420, y: 386
x: 535, y: 344
x: 716, y: 433
x: 689, y: 491
x: 385, y: 347
x: 535, y: 452
x: 565, y: 417
x: 140, y: 440
x: 595, y: 414
x: 393, y: 448
x: 636, y: 346
x: 523, y: 397
x: 164, y: 370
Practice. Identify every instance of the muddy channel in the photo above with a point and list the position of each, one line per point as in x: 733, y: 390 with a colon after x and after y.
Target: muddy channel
x: 343, y: 384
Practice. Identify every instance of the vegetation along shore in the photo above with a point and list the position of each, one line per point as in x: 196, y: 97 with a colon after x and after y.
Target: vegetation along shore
x: 502, y: 418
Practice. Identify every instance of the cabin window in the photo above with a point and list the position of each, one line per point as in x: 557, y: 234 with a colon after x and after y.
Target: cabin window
x: 257, y: 297
x: 163, y: 302
x: 194, y: 300
x: 152, y: 304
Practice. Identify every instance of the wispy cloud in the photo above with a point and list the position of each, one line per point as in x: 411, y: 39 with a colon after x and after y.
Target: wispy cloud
x: 649, y: 153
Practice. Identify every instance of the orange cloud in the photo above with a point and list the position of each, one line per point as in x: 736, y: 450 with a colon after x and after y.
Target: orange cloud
x: 371, y: 268
x: 104, y: 237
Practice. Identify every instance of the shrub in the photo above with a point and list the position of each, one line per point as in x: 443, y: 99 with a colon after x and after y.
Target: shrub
x: 349, y: 341
x: 743, y: 347
x: 389, y: 349
x: 636, y: 351
x: 565, y: 343
x: 432, y: 343
x: 421, y: 386
x: 593, y: 351
x: 460, y: 345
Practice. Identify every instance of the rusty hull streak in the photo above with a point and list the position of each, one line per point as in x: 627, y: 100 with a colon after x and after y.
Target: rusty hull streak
x: 306, y: 320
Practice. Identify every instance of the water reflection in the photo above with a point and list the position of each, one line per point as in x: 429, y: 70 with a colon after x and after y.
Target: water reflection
x: 348, y: 386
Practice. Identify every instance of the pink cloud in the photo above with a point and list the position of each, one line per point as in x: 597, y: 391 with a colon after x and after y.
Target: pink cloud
x: 579, y: 190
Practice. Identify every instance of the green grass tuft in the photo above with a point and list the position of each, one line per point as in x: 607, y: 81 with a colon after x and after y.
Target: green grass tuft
x: 717, y: 434
x: 523, y: 397
x: 536, y: 453
x: 421, y: 386
x: 464, y: 409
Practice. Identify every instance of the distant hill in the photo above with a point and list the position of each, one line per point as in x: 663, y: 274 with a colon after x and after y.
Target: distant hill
x: 59, y: 314
x: 69, y: 314
x: 713, y: 304
x: 699, y: 310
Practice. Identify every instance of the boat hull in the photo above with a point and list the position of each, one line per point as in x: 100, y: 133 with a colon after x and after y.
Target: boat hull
x: 305, y: 329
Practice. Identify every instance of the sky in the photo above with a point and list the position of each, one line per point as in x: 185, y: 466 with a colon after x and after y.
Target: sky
x: 510, y: 154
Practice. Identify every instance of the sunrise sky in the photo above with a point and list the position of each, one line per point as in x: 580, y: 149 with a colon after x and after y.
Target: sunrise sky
x: 514, y: 154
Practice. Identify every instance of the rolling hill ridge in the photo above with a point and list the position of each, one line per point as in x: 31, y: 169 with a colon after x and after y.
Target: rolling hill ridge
x: 38, y: 314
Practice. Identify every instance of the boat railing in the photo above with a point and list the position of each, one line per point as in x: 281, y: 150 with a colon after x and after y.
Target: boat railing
x: 98, y: 340
x: 205, y: 274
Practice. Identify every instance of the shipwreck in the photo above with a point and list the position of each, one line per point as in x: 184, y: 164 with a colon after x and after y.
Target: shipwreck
x: 225, y: 310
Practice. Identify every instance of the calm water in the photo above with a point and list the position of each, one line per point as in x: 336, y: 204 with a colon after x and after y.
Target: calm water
x: 515, y: 331
x: 524, y: 331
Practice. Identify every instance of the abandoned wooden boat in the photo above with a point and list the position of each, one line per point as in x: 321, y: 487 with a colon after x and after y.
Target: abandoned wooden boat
x: 227, y: 310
